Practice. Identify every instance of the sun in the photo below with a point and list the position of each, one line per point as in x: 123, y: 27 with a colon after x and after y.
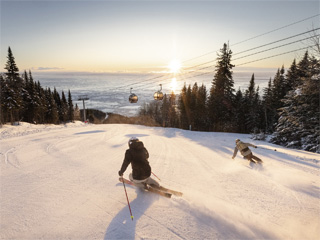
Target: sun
x: 174, y: 66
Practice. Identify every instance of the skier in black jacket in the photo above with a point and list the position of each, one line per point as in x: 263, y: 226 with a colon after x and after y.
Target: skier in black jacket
x: 138, y: 156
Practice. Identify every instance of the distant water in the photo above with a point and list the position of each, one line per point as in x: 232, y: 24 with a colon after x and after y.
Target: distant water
x: 109, y: 92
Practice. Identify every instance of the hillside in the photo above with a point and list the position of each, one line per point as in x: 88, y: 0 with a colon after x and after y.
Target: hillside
x: 61, y: 182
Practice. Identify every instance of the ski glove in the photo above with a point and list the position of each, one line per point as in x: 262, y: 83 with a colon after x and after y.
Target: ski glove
x: 120, y: 173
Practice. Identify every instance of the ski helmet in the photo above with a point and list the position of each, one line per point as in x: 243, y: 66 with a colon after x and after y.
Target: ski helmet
x: 133, y: 139
x: 237, y: 140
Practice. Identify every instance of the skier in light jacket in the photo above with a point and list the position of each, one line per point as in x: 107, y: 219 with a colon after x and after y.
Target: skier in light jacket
x: 245, y: 151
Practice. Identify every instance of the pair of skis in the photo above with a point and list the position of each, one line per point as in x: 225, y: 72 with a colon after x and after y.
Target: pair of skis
x: 162, y: 191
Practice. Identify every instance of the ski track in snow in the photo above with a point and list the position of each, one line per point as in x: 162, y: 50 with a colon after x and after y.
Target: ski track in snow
x: 61, y: 182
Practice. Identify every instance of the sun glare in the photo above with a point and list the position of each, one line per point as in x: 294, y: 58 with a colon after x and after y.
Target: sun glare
x: 174, y: 66
x: 173, y: 85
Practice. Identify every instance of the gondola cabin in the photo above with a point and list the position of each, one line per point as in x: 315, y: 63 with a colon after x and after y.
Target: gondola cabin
x: 133, y: 98
x: 158, y: 95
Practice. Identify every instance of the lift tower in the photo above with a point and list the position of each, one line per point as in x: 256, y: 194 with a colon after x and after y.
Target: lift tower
x: 83, y: 98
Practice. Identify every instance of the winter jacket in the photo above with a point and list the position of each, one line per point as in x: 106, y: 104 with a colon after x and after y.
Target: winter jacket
x: 243, y: 148
x: 138, y: 156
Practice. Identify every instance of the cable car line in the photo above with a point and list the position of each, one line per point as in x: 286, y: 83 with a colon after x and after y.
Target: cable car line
x: 261, y: 59
x: 277, y: 29
x: 274, y: 47
x: 277, y: 41
x: 256, y: 36
x: 275, y: 55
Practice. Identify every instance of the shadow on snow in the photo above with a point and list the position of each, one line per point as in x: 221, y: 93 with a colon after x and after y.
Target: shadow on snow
x: 121, y: 226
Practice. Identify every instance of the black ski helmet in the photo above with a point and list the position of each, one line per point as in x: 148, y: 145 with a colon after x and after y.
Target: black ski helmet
x: 132, y: 139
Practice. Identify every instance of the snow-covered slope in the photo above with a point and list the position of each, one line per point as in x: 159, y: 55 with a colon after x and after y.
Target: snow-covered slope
x: 61, y: 182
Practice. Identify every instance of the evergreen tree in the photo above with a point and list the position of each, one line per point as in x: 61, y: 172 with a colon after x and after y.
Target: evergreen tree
x: 240, y: 113
x: 76, y: 112
x: 64, y: 108
x: 303, y: 67
x: 172, y: 113
x: 12, y: 89
x: 269, y: 111
x: 193, y: 105
x: 57, y: 99
x: 32, y: 103
x: 2, y: 100
x: 41, y: 103
x: 201, y: 118
x: 25, y: 97
x: 52, y: 115
x: 298, y: 125
x: 292, y: 79
x: 252, y: 103
x: 165, y: 111
x: 278, y: 93
x: 221, y: 98
x: 184, y: 108
x: 70, y: 107
x: 279, y: 88
x: 11, y: 67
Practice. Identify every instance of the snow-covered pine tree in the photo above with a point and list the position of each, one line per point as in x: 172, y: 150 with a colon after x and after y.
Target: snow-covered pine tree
x: 298, y: 124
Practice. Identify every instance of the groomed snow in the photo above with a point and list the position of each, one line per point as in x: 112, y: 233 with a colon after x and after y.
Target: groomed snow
x: 61, y: 182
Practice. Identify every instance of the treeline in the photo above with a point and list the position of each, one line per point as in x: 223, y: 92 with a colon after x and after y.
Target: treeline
x: 23, y: 99
x: 288, y: 108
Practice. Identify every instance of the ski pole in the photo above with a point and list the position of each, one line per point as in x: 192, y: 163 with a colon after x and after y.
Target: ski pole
x: 156, y: 176
x: 127, y: 199
x: 268, y: 149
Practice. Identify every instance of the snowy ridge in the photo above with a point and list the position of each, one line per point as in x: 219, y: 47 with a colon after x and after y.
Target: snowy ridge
x: 60, y: 181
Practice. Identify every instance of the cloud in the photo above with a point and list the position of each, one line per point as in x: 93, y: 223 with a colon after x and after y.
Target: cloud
x: 47, y: 68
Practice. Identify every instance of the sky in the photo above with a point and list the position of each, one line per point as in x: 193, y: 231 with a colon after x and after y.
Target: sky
x: 133, y: 36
